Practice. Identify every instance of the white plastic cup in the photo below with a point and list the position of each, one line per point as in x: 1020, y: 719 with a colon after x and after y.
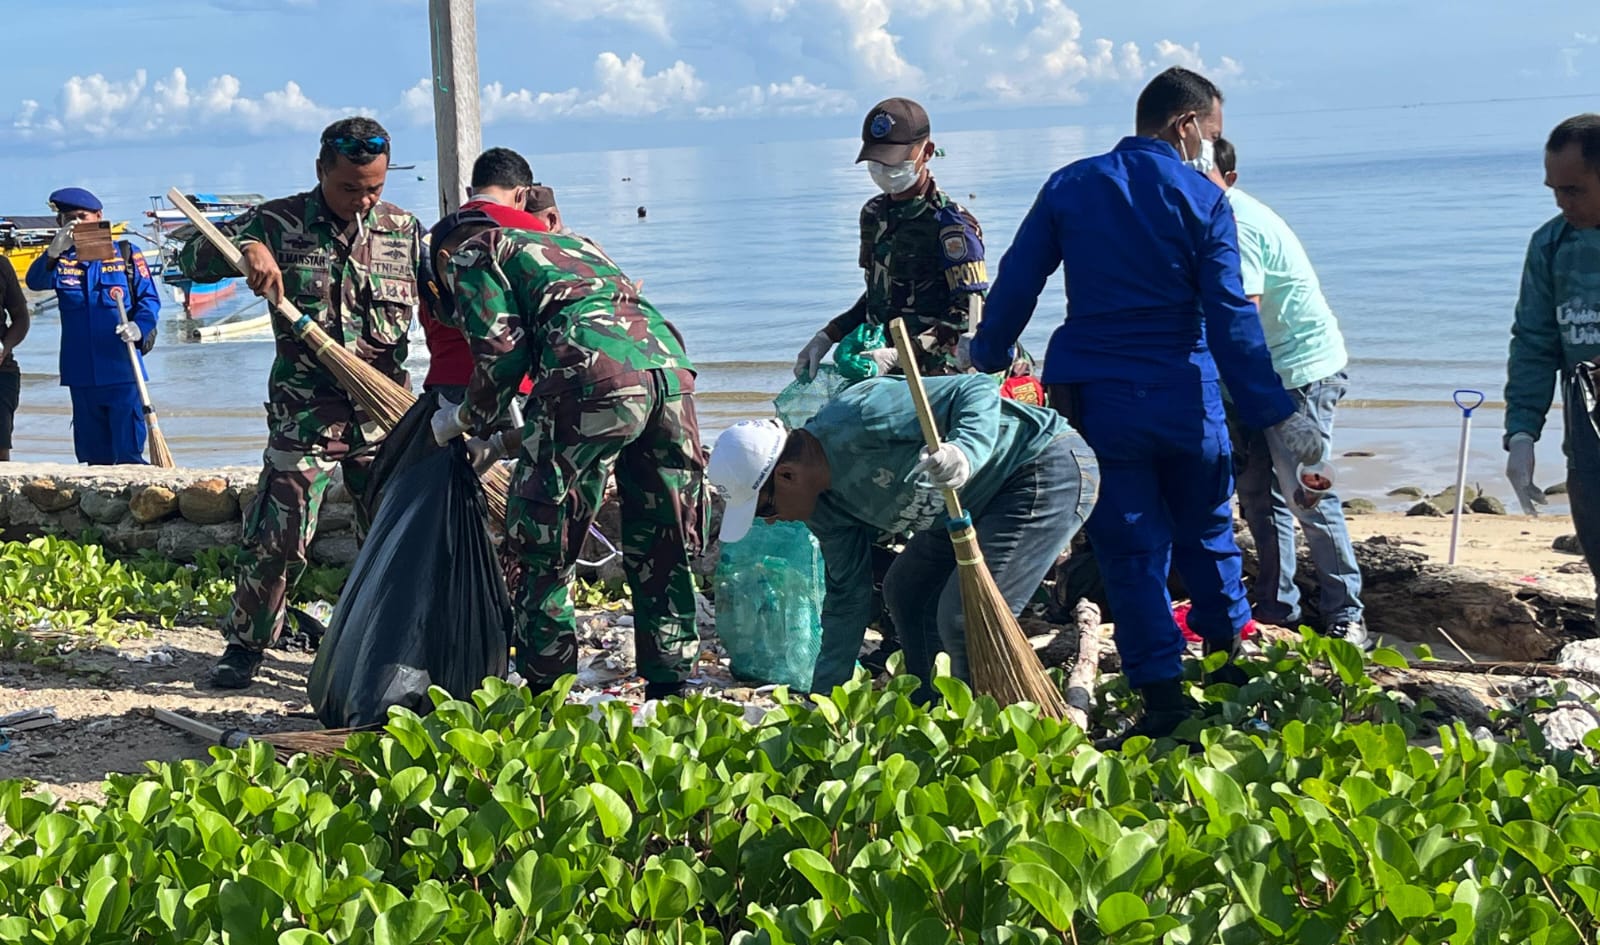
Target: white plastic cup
x: 1315, y: 481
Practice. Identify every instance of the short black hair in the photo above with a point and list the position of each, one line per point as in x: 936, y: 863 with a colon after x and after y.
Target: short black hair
x: 1582, y: 130
x: 1173, y: 93
x: 1226, y: 158
x: 358, y: 126
x: 501, y: 167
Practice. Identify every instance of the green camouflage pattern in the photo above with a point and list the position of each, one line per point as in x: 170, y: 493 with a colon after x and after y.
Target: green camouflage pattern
x: 641, y: 427
x: 924, y: 261
x: 359, y: 283
x: 555, y: 308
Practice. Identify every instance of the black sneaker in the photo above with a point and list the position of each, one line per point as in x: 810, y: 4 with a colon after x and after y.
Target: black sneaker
x: 1166, y: 706
x: 1354, y: 631
x: 1228, y: 672
x: 236, y: 668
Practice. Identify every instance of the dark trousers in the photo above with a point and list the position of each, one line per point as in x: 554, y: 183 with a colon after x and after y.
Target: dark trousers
x: 108, y: 426
x: 1582, y: 446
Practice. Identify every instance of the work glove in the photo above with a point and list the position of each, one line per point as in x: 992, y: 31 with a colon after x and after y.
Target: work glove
x: 1300, y: 437
x: 484, y: 453
x: 63, y: 241
x: 964, y: 353
x: 129, y: 332
x: 805, y: 366
x: 946, y: 467
x: 447, y: 423
x: 1519, y: 469
x: 884, y: 359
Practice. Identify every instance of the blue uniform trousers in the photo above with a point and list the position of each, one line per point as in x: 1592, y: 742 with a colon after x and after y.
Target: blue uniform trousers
x: 108, y: 424
x: 1166, y: 473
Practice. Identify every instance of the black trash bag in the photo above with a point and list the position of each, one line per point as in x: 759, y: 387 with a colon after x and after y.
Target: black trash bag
x: 425, y: 604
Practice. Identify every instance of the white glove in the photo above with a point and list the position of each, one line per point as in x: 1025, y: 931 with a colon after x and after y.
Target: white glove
x: 2, y: 352
x: 63, y: 241
x: 884, y: 359
x: 805, y: 366
x: 947, y: 467
x: 964, y: 352
x: 1300, y: 438
x: 448, y: 423
x: 483, y: 454
x: 129, y: 332
x: 1519, y: 469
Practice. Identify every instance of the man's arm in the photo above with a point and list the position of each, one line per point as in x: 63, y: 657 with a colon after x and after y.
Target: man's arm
x: 15, y: 305
x: 1034, y: 255
x: 41, y: 274
x: 492, y: 319
x: 849, y: 320
x: 846, y: 605
x: 966, y: 277
x: 146, y: 297
x: 968, y: 410
x: 1535, y: 357
x: 1233, y: 325
x: 200, y: 261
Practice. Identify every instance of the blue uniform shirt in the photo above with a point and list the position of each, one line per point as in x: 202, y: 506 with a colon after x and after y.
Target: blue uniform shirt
x: 1153, y: 287
x: 91, y: 353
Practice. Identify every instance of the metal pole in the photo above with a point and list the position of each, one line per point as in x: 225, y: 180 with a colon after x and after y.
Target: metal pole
x: 452, y: 28
x: 1461, y: 461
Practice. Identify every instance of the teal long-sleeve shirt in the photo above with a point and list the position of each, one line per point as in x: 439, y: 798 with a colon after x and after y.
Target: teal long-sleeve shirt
x: 872, y: 440
x: 1557, y: 321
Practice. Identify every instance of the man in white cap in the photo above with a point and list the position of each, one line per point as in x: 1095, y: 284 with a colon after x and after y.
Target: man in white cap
x: 1025, y: 478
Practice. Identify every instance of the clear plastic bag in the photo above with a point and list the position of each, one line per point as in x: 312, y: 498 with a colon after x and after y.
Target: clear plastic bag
x: 769, y: 590
x: 801, y: 400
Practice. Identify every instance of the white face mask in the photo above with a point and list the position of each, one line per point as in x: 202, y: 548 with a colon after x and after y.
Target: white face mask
x: 1206, y: 160
x: 893, y: 178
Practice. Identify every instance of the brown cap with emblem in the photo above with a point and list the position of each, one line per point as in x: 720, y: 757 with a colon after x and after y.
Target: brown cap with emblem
x: 540, y: 197
x: 891, y: 129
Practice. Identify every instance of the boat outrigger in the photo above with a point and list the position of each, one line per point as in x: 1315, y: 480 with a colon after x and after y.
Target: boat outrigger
x: 23, y: 239
x: 169, y: 230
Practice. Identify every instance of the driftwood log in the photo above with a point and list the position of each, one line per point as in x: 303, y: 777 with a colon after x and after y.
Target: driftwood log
x: 1086, y: 669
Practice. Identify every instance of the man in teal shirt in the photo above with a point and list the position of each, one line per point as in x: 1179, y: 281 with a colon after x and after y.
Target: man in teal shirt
x: 1024, y: 477
x: 1557, y: 326
x: 1308, y: 355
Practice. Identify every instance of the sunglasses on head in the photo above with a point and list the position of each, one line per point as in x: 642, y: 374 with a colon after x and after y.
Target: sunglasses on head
x: 355, y: 147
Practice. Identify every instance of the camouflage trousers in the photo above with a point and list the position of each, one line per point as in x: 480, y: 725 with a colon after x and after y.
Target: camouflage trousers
x: 641, y: 427
x: 305, y: 442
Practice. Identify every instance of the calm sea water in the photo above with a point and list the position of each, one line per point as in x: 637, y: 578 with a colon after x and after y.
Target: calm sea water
x: 1417, y: 220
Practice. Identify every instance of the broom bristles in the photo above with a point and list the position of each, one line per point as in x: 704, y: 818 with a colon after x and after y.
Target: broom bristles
x: 160, y: 454
x: 321, y: 744
x: 1003, y: 662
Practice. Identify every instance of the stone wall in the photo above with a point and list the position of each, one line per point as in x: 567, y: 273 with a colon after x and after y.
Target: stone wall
x: 175, y: 512
x: 181, y: 512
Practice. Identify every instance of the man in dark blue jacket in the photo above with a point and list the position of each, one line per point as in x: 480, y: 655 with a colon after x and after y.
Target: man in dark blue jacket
x: 1156, y: 311
x: 108, y: 425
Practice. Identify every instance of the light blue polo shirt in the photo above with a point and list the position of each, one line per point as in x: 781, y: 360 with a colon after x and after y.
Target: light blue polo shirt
x: 1300, y: 328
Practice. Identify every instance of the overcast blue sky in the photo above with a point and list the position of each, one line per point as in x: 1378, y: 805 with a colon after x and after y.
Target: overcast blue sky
x: 610, y: 73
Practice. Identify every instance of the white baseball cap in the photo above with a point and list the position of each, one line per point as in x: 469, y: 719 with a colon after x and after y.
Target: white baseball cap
x: 741, y: 462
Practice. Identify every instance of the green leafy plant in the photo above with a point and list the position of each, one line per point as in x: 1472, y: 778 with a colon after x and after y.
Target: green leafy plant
x: 855, y: 818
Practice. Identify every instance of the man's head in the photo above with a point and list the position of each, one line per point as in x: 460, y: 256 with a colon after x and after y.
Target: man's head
x: 442, y: 241
x: 352, y: 165
x: 1182, y: 108
x: 766, y: 472
x: 75, y: 205
x: 1225, y: 171
x: 542, y: 204
x: 1572, y: 169
x: 896, y: 144
x: 502, y: 175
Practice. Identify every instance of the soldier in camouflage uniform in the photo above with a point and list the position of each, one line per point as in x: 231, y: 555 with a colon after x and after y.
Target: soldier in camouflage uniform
x: 922, y: 251
x: 612, y: 391
x: 349, y: 261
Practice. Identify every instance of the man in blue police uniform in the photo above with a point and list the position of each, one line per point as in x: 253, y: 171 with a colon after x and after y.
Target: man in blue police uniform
x: 108, y: 425
x: 1156, y: 311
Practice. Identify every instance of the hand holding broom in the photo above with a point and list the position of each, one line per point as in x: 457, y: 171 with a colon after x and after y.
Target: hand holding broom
x: 1003, y: 662
x: 160, y: 454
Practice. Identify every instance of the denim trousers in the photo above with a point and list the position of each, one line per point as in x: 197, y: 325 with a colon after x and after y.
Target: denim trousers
x: 1265, y: 477
x: 1021, y: 532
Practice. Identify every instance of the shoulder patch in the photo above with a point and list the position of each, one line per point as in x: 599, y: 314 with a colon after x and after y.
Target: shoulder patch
x: 954, y: 241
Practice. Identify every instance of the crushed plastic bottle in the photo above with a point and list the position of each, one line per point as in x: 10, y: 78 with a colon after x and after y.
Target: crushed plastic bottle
x: 769, y: 590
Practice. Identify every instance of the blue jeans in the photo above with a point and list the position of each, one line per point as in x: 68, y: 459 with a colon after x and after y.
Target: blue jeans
x: 1021, y: 532
x: 1264, y: 478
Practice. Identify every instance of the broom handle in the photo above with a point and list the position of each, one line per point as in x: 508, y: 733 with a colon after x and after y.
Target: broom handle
x: 232, y: 738
x: 235, y: 258
x: 133, y: 357
x: 919, y: 397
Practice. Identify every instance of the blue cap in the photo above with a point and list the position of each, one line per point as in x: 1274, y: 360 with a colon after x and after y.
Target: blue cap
x: 75, y: 198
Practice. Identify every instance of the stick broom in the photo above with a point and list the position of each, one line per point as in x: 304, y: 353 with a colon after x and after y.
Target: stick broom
x: 160, y: 455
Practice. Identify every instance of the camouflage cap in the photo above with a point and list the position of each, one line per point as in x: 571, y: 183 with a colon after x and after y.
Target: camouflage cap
x: 891, y: 130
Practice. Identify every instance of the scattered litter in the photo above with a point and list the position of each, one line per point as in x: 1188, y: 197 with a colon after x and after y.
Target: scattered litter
x: 27, y: 720
x: 598, y: 669
x: 160, y: 656
x: 102, y: 726
x: 624, y: 622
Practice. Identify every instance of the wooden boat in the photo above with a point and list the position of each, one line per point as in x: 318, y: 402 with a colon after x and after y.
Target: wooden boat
x: 170, y: 230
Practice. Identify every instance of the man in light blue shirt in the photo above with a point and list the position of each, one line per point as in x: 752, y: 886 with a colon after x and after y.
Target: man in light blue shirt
x: 1309, y: 356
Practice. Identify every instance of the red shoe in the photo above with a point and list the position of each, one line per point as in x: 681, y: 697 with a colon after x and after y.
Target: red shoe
x: 1180, y: 616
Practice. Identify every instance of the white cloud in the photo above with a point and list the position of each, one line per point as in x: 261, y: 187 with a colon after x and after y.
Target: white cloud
x: 798, y: 96
x: 621, y: 88
x: 97, y: 108
x: 651, y: 16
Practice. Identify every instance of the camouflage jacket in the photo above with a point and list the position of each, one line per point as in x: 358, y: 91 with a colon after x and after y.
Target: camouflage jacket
x: 924, y: 261
x: 557, y: 309
x: 360, y: 286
